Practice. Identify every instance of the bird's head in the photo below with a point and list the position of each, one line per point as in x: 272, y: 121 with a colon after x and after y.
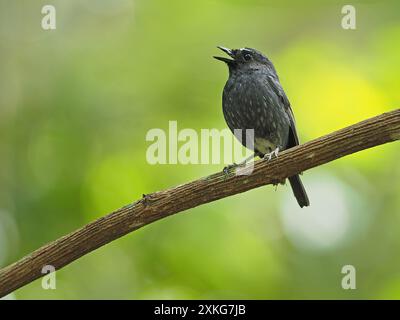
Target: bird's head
x: 245, y: 59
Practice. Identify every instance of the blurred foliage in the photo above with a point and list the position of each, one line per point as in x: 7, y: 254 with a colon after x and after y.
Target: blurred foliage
x: 76, y: 104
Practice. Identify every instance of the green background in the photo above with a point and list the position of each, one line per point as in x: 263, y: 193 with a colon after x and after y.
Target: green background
x: 76, y: 104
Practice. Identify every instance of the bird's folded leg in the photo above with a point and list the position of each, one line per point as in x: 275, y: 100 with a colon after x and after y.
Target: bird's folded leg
x: 268, y: 156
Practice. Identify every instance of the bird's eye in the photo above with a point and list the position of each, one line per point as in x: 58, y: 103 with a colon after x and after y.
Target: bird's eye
x: 247, y: 57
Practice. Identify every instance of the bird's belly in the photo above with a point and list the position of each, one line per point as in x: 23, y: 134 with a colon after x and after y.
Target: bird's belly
x: 264, y: 146
x: 258, y: 112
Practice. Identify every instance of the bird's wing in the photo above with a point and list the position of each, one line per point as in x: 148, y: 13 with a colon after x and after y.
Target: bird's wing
x: 277, y: 88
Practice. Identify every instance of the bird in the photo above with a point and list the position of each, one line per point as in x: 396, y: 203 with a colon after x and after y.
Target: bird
x: 253, y: 98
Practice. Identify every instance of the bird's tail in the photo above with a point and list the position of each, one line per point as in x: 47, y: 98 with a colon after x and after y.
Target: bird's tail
x: 299, y: 191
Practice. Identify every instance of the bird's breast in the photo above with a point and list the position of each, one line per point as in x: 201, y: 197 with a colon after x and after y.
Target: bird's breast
x: 248, y: 103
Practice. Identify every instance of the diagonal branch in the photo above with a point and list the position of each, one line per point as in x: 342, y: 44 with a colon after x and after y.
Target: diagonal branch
x: 61, y: 252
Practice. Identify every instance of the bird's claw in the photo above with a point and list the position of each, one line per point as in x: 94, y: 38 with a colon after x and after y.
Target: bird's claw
x: 228, y: 168
x: 268, y: 156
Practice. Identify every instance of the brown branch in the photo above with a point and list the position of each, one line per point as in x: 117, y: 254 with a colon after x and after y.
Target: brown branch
x: 366, y: 134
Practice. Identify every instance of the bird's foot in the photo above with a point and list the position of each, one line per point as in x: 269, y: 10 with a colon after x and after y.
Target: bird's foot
x: 228, y: 168
x: 269, y: 156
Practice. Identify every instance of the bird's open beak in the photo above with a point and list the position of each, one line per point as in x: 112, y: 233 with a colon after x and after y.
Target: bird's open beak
x: 229, y: 52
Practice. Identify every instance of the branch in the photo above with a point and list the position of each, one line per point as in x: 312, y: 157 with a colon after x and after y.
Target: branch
x: 61, y: 252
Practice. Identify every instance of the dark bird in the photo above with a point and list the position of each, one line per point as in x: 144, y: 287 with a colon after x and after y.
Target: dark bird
x: 253, y: 98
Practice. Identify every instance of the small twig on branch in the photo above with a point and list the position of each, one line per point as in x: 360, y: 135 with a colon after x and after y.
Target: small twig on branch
x: 61, y: 252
